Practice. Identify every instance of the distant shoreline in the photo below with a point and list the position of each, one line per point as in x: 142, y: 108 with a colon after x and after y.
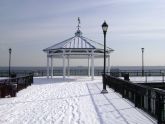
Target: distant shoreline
x: 85, y: 67
x: 82, y: 70
x: 28, y: 68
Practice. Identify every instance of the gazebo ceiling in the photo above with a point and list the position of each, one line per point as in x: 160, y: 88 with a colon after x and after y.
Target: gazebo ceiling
x: 77, y: 44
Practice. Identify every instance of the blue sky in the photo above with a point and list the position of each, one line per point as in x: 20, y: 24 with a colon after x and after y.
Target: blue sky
x: 29, y: 26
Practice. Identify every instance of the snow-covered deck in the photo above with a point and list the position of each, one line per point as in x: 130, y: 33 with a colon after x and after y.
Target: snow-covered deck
x: 77, y: 100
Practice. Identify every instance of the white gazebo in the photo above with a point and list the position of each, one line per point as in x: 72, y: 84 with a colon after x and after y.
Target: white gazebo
x: 76, y: 47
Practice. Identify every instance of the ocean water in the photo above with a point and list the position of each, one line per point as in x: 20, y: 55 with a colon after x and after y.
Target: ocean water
x: 81, y: 70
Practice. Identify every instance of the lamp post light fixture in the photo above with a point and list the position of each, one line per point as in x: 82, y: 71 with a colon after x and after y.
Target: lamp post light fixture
x: 9, y: 61
x: 142, y: 61
x: 104, y: 27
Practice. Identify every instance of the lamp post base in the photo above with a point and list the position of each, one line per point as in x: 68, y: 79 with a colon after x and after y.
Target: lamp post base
x: 104, y: 91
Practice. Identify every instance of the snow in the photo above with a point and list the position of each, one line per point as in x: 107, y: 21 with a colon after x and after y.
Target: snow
x: 145, y: 79
x: 2, y: 78
x: 75, y: 100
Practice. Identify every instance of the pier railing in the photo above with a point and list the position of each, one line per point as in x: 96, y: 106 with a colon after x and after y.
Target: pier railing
x: 9, y: 87
x: 149, y: 99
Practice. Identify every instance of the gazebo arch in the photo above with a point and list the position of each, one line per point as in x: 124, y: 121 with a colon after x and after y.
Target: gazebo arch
x: 76, y: 47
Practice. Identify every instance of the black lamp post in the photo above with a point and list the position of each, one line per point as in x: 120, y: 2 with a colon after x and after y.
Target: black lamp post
x: 104, y: 27
x: 142, y: 61
x: 9, y: 61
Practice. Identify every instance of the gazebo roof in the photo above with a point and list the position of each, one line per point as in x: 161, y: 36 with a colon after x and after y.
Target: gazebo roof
x: 77, y: 47
x: 77, y: 42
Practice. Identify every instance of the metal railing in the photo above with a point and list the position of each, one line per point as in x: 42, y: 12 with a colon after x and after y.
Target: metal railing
x: 151, y: 100
x: 9, y: 87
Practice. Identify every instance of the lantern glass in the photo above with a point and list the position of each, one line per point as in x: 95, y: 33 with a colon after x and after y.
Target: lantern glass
x: 104, y: 26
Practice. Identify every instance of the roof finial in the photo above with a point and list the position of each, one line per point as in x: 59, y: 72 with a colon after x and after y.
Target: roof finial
x: 78, y: 23
x: 78, y: 32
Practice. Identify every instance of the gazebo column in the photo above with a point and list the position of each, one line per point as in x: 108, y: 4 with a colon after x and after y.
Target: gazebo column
x: 109, y: 63
x: 51, y: 66
x: 47, y: 67
x: 64, y: 66
x: 89, y: 65
x: 92, y: 63
x: 68, y: 66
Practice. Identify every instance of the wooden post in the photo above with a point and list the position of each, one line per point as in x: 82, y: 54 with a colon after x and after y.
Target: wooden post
x: 149, y: 100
